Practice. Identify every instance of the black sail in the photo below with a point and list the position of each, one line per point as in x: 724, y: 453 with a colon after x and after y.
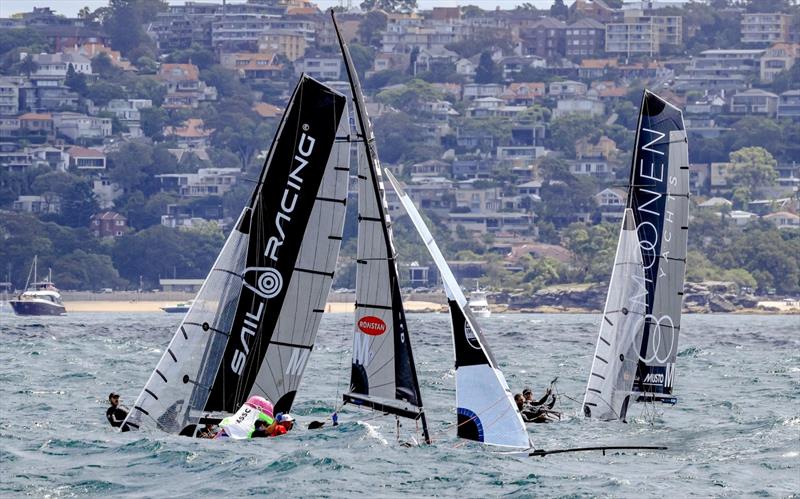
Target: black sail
x: 262, y: 300
x: 280, y: 211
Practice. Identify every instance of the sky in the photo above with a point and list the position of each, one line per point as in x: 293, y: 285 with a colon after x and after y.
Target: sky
x: 70, y: 8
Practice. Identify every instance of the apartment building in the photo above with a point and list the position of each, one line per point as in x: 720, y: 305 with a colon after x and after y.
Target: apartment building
x: 640, y: 34
x: 181, y: 26
x: 720, y: 69
x: 766, y: 28
x: 778, y: 58
x: 9, y: 95
x: 585, y: 38
x: 321, y: 68
x: 206, y: 182
x: 289, y: 43
x: 754, y: 101
x: 546, y: 37
x: 789, y: 105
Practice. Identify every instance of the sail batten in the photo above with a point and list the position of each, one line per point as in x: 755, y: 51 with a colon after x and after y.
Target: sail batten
x: 637, y: 343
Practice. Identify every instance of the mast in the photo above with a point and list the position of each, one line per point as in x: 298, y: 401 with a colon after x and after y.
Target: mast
x: 383, y: 370
x: 638, y: 340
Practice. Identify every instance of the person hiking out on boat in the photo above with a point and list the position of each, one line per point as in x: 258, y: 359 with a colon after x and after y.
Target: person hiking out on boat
x: 116, y: 414
x: 527, y: 393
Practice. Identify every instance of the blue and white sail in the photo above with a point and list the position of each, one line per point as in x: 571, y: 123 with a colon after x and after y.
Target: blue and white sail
x: 638, y: 341
x: 485, y: 407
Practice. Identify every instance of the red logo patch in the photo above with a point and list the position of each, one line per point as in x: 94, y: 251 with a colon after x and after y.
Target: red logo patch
x: 372, y: 325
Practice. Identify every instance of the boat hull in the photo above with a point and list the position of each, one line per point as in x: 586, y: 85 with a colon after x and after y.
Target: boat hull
x: 175, y: 310
x: 31, y: 307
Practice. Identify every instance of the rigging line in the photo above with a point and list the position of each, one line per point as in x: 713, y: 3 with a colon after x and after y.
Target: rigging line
x: 448, y: 426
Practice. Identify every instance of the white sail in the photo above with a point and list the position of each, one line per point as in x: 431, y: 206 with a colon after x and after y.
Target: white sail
x: 383, y: 374
x: 616, y: 356
x: 485, y: 406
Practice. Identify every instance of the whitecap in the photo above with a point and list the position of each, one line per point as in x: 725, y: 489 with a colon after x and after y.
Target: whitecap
x: 372, y: 432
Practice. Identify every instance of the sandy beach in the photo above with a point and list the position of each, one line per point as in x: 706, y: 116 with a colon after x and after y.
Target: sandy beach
x: 155, y: 306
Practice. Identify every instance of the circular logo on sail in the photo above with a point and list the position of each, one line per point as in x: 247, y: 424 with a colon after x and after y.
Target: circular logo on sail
x: 371, y: 325
x: 270, y: 283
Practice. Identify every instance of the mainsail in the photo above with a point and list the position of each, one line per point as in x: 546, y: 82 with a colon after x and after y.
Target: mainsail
x: 253, y: 323
x: 638, y: 341
x: 485, y: 407
x: 383, y: 375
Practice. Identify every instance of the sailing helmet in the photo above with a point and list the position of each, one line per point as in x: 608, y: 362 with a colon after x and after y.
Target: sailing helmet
x: 261, y: 404
x: 284, y: 417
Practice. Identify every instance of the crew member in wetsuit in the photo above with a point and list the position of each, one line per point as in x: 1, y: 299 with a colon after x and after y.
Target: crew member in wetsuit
x: 537, y: 411
x: 116, y: 414
x: 261, y: 429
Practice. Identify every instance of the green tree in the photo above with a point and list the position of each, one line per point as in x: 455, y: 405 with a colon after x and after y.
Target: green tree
x: 756, y: 131
x: 77, y: 198
x: 371, y: 28
x: 487, y: 71
x: 404, y: 6
x: 752, y: 168
x: 82, y: 270
x: 152, y: 120
x: 102, y: 92
x: 27, y: 66
x: 410, y: 97
x: 125, y: 22
x: 566, y: 130
x: 75, y: 81
x: 559, y: 10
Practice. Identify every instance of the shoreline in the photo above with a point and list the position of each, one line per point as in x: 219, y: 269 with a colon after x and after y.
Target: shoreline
x: 411, y: 306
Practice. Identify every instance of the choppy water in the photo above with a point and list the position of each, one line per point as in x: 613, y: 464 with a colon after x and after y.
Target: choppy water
x: 735, y: 432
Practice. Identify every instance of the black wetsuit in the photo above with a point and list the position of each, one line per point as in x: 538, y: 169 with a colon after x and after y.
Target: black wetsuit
x: 116, y: 416
x: 260, y: 434
x: 536, y: 412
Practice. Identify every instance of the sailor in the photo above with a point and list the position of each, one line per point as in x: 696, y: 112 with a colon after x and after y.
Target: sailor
x: 538, y: 411
x: 536, y: 404
x: 208, y: 431
x: 282, y: 424
x: 116, y: 414
x: 261, y: 429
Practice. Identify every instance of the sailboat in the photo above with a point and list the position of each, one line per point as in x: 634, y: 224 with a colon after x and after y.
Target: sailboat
x: 638, y: 340
x: 252, y: 326
x: 383, y: 374
x: 486, y: 411
x: 39, y: 297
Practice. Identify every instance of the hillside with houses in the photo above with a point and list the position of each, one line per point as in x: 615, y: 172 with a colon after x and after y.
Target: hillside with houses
x: 131, y: 135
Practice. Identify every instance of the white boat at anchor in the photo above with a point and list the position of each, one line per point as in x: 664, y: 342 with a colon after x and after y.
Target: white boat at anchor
x: 478, y: 303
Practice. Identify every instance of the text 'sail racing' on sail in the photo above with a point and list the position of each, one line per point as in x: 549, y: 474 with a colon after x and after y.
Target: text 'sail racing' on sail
x: 383, y: 374
x: 253, y: 323
x: 638, y: 341
x: 486, y: 411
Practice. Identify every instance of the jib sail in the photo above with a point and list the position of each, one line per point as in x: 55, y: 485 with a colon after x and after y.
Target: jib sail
x: 638, y: 340
x: 485, y: 406
x: 254, y: 321
x: 383, y: 375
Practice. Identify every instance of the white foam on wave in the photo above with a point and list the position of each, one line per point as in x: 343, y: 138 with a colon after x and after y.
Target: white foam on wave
x: 791, y: 454
x: 372, y: 432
